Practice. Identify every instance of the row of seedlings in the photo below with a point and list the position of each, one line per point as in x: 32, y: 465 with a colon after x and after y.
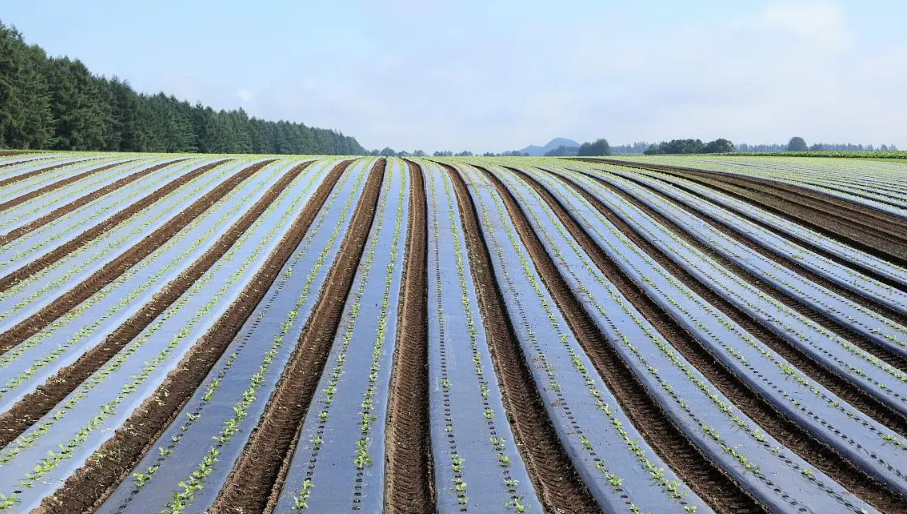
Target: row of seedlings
x: 795, y: 232
x: 59, y: 170
x: 25, y: 366
x: 867, y: 323
x: 337, y: 465
x: 786, y: 171
x: 196, y: 453
x: 827, y: 417
x: 774, y: 475
x: 35, y: 169
x: 623, y: 473
x: 868, y: 198
x: 475, y: 468
x: 36, y: 360
x: 29, y: 295
x: 53, y: 449
x: 868, y: 372
x: 852, y: 181
x: 874, y: 175
x: 15, y: 165
x: 52, y: 235
x: 34, y: 208
x: 840, y: 274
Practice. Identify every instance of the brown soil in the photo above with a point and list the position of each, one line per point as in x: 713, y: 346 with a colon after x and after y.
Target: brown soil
x: 794, y: 239
x: 30, y: 174
x: 86, y: 489
x: 118, y: 266
x: 558, y: 484
x: 768, y: 289
x: 258, y: 476
x: 766, y: 251
x: 32, y: 407
x: 409, y: 485
x: 863, y: 214
x: 852, y: 226
x: 844, y: 389
x: 75, y: 204
x: 875, y: 218
x: 735, y: 388
x: 57, y: 185
x: 85, y: 237
x: 707, y: 480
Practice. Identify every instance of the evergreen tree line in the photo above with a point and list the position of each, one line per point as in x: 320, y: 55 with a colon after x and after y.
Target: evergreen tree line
x: 798, y: 144
x: 690, y: 146
x: 56, y: 103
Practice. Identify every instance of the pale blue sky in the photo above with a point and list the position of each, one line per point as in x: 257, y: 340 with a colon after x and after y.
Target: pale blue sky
x: 499, y: 75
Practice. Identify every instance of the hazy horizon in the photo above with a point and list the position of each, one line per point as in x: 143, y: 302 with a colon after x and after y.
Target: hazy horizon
x: 493, y: 77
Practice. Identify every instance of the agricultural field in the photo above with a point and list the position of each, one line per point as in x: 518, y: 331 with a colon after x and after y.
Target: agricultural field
x: 226, y: 334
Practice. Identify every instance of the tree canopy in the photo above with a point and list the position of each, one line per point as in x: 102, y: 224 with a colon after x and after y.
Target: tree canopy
x: 690, y: 146
x: 598, y: 148
x: 57, y: 103
x: 797, y: 144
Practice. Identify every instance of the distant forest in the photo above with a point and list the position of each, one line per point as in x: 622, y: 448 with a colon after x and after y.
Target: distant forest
x: 55, y: 103
x: 816, y: 147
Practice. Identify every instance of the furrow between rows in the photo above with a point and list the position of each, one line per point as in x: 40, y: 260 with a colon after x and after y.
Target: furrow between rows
x: 738, y: 234
x: 24, y: 176
x: 256, y: 480
x: 767, y: 288
x: 36, y: 265
x: 35, y: 405
x: 118, y: 266
x: 749, y: 401
x: 863, y: 237
x: 88, y: 488
x: 409, y: 486
x: 56, y: 185
x: 556, y: 480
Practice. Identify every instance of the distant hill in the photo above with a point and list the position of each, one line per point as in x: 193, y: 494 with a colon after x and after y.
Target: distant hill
x: 538, y: 151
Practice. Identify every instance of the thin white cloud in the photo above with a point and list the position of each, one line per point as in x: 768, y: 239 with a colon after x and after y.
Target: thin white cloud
x: 820, y: 22
x: 782, y: 68
x: 246, y: 96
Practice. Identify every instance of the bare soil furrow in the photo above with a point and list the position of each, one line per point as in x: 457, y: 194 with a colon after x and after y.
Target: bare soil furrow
x: 735, y: 234
x: 862, y: 236
x: 409, y: 483
x: 835, y: 383
x: 35, y: 405
x: 257, y: 478
x: 809, y: 245
x: 840, y: 208
x: 732, y: 386
x: 884, y: 221
x: 9, y: 204
x: 86, y: 237
x: 10, y: 180
x: 86, y: 489
x: 735, y: 388
x: 706, y: 479
x: 79, y: 202
x: 118, y: 266
x: 814, y: 315
x: 556, y: 480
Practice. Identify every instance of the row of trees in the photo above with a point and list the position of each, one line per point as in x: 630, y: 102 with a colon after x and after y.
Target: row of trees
x: 690, y: 146
x: 598, y: 148
x: 57, y: 103
x: 798, y: 144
